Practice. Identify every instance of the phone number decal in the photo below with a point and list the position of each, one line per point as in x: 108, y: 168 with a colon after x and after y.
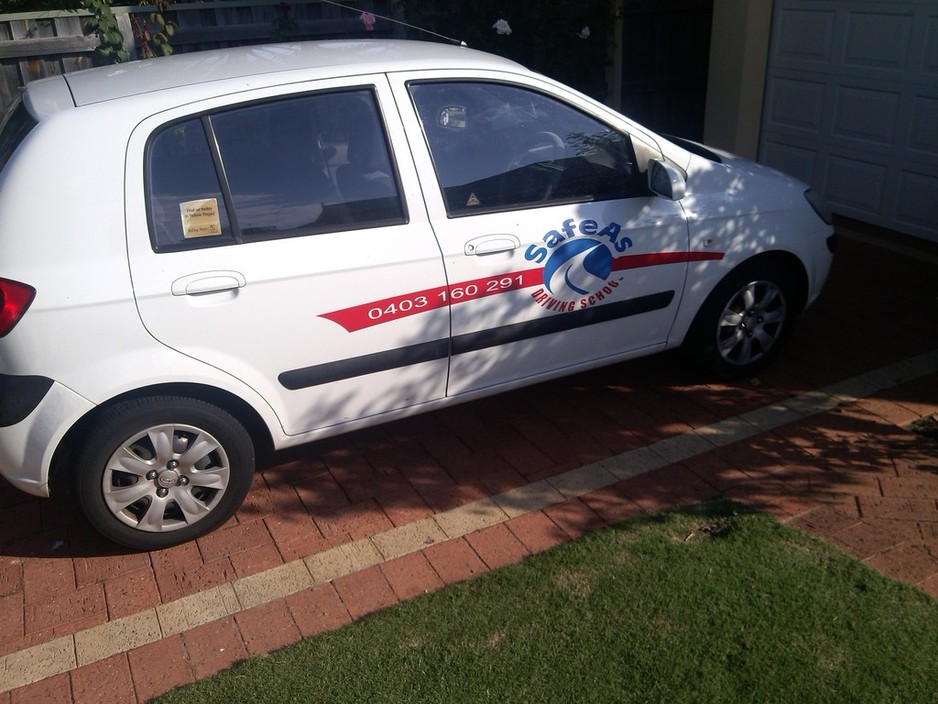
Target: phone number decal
x: 387, y: 309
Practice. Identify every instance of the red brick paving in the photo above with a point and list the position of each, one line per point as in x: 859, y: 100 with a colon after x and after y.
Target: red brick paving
x: 106, y: 682
x: 854, y: 475
x: 411, y: 575
x: 365, y: 592
x: 214, y: 647
x: 318, y: 610
x: 52, y: 690
x: 159, y: 667
x: 267, y: 628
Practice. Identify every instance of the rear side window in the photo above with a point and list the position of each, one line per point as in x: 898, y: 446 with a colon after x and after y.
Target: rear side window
x: 300, y: 166
x: 16, y: 126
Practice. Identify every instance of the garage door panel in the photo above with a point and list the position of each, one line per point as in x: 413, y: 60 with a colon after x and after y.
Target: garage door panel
x: 795, y: 104
x: 924, y: 136
x: 859, y: 185
x: 878, y: 40
x: 930, y: 63
x: 851, y: 106
x: 800, y: 162
x: 916, y: 203
x: 804, y: 35
x: 866, y: 114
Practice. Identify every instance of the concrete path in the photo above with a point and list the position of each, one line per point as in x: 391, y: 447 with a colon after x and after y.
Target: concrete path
x: 331, y: 532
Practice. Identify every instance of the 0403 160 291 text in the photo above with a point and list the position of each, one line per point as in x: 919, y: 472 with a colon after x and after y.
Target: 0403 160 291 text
x: 385, y: 310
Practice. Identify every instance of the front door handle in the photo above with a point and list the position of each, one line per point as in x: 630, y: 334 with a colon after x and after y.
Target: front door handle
x: 208, y: 282
x: 490, y: 244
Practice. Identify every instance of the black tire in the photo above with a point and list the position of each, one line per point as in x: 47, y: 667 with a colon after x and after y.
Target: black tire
x: 162, y: 470
x: 744, y: 322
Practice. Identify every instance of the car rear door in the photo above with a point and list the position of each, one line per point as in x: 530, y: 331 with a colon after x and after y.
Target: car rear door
x: 271, y: 235
x: 557, y: 254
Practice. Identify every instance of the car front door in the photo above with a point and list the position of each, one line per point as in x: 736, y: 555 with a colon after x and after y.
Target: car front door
x: 557, y: 254
x: 271, y: 239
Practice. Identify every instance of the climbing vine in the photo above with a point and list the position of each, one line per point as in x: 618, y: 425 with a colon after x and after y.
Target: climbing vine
x: 103, y: 23
x: 153, y: 37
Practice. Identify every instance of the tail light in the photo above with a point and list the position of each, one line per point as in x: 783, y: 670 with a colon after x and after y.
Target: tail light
x: 14, y: 300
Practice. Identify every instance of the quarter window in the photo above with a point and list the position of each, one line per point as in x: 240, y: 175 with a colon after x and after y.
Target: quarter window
x: 497, y: 147
x: 300, y: 166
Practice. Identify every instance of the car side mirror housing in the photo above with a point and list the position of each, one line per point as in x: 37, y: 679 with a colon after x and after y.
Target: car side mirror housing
x: 666, y: 180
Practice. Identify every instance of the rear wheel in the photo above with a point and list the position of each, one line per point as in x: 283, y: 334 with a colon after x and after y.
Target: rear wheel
x: 163, y: 470
x: 743, y: 323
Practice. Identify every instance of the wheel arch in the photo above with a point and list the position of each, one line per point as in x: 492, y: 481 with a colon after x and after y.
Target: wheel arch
x: 243, y: 412
x: 699, y: 345
x: 792, y: 264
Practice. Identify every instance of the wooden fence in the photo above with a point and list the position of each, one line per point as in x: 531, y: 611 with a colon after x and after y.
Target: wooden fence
x: 38, y: 44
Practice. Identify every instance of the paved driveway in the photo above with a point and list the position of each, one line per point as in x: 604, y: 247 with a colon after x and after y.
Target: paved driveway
x: 333, y: 531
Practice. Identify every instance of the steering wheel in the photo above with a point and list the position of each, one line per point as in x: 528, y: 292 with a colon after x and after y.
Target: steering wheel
x: 544, y: 148
x: 532, y: 174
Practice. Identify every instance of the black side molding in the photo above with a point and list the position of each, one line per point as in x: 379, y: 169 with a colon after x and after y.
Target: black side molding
x: 307, y: 377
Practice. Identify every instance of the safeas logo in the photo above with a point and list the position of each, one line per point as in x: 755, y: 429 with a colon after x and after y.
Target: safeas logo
x: 578, y: 261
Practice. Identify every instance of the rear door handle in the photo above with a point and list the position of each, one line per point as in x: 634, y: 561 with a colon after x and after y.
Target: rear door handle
x: 490, y: 244
x: 208, y: 282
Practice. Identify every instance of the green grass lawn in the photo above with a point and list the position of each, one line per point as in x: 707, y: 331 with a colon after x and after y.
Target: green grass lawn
x: 707, y: 604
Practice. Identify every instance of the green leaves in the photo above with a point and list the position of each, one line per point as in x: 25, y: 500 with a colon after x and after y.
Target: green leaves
x: 104, y: 24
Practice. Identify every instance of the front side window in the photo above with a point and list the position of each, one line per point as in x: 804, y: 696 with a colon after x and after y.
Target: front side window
x: 498, y: 147
x: 299, y: 166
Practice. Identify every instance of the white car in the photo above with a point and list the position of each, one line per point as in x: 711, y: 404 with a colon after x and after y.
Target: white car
x: 280, y: 243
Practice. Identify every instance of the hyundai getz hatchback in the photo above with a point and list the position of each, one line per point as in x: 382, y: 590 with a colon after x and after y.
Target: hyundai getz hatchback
x: 276, y: 244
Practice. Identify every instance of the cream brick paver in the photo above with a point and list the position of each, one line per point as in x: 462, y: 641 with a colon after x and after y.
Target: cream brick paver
x: 118, y: 636
x: 582, y: 480
x: 197, y: 609
x: 527, y: 498
x: 729, y: 431
x: 409, y: 538
x: 343, y: 560
x: 681, y: 447
x: 634, y: 462
x: 774, y: 416
x: 470, y: 517
x: 38, y: 662
x: 275, y: 583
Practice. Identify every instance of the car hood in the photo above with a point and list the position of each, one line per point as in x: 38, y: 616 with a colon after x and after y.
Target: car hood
x: 722, y: 182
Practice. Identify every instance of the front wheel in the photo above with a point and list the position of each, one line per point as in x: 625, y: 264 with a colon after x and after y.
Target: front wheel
x: 741, y: 326
x: 163, y: 470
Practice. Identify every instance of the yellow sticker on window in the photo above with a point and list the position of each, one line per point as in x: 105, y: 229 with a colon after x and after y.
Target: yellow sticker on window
x: 200, y: 218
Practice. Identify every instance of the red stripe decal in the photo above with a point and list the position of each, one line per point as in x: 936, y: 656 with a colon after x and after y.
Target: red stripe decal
x: 367, y: 315
x: 640, y: 261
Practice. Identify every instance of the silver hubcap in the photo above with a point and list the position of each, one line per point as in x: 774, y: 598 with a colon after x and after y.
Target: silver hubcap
x: 165, y: 478
x: 751, y: 323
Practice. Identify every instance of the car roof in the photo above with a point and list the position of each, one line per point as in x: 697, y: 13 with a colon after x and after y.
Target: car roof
x: 348, y: 57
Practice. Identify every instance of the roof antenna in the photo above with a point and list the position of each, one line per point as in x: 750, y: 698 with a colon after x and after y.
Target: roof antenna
x: 396, y: 21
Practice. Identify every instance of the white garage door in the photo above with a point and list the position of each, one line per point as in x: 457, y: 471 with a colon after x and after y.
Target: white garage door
x: 851, y: 107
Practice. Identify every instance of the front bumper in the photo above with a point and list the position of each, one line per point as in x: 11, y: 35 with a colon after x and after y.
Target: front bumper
x: 28, y: 445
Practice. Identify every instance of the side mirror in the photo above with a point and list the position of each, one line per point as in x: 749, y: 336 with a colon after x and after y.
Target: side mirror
x: 666, y: 180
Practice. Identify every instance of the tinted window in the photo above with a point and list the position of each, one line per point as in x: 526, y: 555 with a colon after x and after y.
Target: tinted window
x: 187, y: 207
x: 497, y: 147
x: 300, y: 166
x: 17, y: 125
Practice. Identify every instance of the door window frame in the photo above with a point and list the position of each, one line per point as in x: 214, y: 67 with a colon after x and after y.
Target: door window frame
x: 237, y: 236
x: 636, y: 145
